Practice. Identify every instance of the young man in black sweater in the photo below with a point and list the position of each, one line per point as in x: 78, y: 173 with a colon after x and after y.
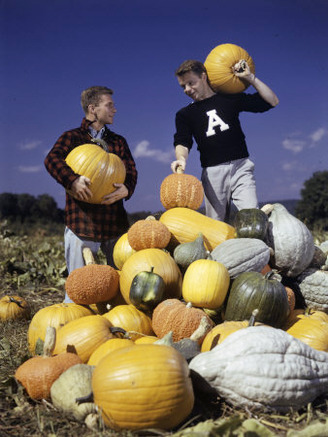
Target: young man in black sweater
x: 212, y: 120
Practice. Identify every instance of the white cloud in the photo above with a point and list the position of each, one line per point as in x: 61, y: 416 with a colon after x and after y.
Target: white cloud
x: 143, y: 150
x: 30, y: 168
x: 30, y: 145
x: 297, y: 142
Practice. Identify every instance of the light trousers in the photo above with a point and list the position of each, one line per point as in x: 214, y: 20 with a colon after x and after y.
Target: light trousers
x: 229, y: 187
x: 74, y: 251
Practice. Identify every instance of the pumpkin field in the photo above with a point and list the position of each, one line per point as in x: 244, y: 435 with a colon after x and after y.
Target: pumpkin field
x: 203, y: 329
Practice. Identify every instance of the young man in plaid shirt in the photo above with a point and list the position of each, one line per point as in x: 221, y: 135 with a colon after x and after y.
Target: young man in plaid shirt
x: 97, y: 226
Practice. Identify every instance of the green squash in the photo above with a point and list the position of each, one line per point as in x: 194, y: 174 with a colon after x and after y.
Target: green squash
x: 147, y: 290
x: 186, y: 253
x: 252, y: 290
x: 251, y: 223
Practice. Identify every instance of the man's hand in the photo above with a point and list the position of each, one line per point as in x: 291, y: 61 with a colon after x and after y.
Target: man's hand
x: 120, y: 193
x: 80, y: 189
x: 242, y: 70
x: 179, y: 163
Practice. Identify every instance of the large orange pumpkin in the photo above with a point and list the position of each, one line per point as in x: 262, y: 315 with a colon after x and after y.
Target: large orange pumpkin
x: 219, y: 64
x: 102, y: 168
x: 144, y: 386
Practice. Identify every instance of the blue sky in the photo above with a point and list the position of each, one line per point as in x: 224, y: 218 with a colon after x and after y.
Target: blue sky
x: 52, y: 50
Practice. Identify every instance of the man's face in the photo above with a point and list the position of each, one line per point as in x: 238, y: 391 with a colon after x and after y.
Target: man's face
x: 105, y: 110
x: 196, y: 87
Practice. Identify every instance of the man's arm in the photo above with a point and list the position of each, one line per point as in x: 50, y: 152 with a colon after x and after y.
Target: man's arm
x: 181, y: 154
x: 242, y: 70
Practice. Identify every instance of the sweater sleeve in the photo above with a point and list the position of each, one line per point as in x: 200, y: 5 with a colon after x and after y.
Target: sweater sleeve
x: 183, y: 133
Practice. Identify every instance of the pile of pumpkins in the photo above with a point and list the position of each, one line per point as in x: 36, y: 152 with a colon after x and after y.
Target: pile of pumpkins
x: 189, y: 296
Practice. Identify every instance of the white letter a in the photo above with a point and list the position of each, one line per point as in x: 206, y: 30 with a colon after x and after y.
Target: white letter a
x: 215, y: 120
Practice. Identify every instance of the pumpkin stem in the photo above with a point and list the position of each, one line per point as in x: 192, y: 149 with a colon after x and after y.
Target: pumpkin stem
x: 88, y: 256
x: 267, y: 209
x: 180, y: 170
x: 17, y: 302
x: 166, y: 340
x: 118, y: 330
x: 150, y: 217
x: 49, y: 341
x: 253, y: 317
x: 189, y: 305
x: 201, y: 331
x: 84, y: 399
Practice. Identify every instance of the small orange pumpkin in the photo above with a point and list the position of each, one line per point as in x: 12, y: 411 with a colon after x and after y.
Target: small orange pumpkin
x: 148, y: 233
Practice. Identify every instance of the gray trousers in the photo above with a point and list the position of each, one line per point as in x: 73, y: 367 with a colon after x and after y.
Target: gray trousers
x: 73, y: 251
x: 229, y: 187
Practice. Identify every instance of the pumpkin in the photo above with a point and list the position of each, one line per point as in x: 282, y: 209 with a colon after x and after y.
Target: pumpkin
x: 252, y: 290
x: 146, y: 339
x: 313, y: 332
x: 92, y: 283
x: 122, y: 250
x: 304, y: 313
x: 84, y: 335
x: 313, y: 285
x: 55, y: 315
x: 105, y: 348
x: 72, y: 384
x: 177, y: 316
x: 219, y: 65
x: 148, y: 233
x: 144, y: 386
x: 264, y: 368
x: 251, y: 223
x: 147, y: 290
x: 13, y: 307
x: 290, y: 239
x: 132, y: 320
x: 242, y: 255
x: 185, y: 253
x: 205, y: 283
x: 164, y: 266
x: 186, y: 224
x: 38, y: 373
x: 181, y: 190
x: 102, y: 168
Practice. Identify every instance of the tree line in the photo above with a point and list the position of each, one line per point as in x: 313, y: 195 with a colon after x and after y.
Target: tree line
x: 312, y: 208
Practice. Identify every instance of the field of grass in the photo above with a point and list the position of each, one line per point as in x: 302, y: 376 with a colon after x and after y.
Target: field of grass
x: 33, y: 267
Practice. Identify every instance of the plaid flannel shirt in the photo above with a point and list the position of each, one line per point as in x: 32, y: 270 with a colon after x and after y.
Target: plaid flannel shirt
x: 90, y: 221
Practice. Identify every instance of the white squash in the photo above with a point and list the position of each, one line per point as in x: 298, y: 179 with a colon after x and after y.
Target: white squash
x: 262, y: 367
x: 240, y: 255
x: 290, y: 239
x: 313, y: 284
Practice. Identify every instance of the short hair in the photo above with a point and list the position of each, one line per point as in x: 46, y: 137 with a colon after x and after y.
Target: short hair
x: 92, y: 96
x: 191, y: 65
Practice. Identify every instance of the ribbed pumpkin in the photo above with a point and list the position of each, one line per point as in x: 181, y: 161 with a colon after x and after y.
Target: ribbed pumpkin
x: 251, y: 223
x: 148, y: 233
x: 84, y: 334
x: 220, y: 332
x: 143, y: 260
x: 109, y: 346
x: 13, y: 307
x: 205, y: 283
x: 252, y: 290
x: 122, y: 250
x: 290, y: 239
x: 177, y: 316
x: 313, y: 332
x: 181, y: 190
x: 132, y: 320
x: 219, y: 66
x: 142, y: 387
x: 186, y: 224
x: 242, y: 255
x: 304, y: 313
x: 55, y: 315
x: 102, y: 168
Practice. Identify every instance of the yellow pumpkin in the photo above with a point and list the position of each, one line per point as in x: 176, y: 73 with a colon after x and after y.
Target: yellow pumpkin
x: 185, y: 226
x: 142, y: 261
x: 220, y: 332
x: 313, y: 332
x: 219, y: 66
x: 84, y: 334
x: 132, y: 320
x: 122, y: 250
x: 105, y: 348
x: 55, y: 315
x: 142, y: 387
x: 205, y: 283
x: 13, y: 307
x: 102, y: 168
